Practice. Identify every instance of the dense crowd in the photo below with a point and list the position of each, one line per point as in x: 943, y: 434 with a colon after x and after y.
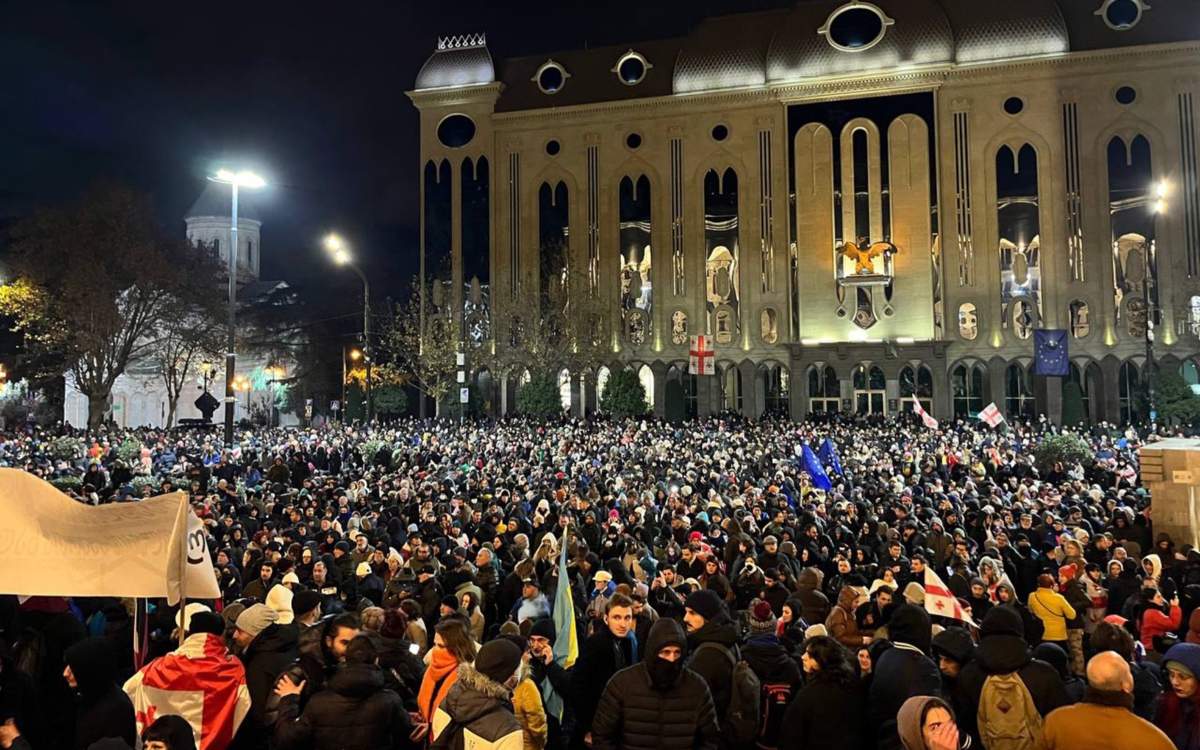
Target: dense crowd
x: 399, y: 587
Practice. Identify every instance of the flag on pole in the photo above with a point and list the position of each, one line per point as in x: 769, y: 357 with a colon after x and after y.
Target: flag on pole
x: 1050, y: 352
x: 939, y: 601
x: 813, y: 466
x: 828, y: 455
x: 701, y: 357
x: 566, y: 639
x: 991, y: 414
x: 926, y: 417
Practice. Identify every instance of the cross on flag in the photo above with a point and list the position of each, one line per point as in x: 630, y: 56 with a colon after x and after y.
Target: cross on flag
x: 939, y: 601
x: 991, y: 414
x: 701, y: 358
x: 926, y: 417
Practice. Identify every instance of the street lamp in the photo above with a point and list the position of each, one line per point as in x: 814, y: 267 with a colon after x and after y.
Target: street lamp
x: 339, y: 251
x: 1157, y: 208
x: 354, y: 355
x: 235, y: 180
x: 241, y: 384
x: 275, y: 374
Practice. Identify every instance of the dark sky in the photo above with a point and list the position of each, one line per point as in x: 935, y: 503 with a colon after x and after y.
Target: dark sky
x: 312, y: 94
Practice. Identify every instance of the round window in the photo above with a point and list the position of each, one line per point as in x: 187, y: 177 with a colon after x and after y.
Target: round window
x: 456, y: 131
x: 553, y: 147
x: 550, y: 77
x: 720, y: 132
x: 1125, y: 95
x: 855, y: 27
x: 1013, y: 105
x: 1121, y: 15
x: 633, y: 140
x: 631, y: 68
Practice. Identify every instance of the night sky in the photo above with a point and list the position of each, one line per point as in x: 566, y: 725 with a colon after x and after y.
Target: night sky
x: 312, y: 95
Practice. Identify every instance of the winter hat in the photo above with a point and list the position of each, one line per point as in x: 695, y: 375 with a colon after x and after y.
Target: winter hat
x: 451, y: 601
x: 1183, y: 657
x: 544, y: 628
x: 290, y: 577
x: 914, y: 594
x: 305, y: 601
x: 279, y: 598
x: 257, y: 618
x: 762, y: 619
x: 498, y: 659
x: 1052, y: 654
x: 954, y: 643
x: 705, y: 603
x: 206, y: 622
x: 1002, y: 621
x: 815, y: 630
x: 603, y: 576
x: 910, y: 625
x: 188, y: 612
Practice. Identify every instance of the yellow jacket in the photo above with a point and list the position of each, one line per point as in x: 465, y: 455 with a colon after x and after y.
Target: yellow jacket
x: 1052, y: 609
x: 527, y: 706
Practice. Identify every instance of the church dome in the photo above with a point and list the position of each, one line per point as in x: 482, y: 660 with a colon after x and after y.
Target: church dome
x: 458, y: 61
x: 725, y: 52
x: 1007, y: 30
x: 217, y: 200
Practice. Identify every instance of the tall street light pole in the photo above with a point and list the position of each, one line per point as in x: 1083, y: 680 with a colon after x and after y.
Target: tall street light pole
x: 340, y: 253
x: 235, y: 180
x: 1157, y: 208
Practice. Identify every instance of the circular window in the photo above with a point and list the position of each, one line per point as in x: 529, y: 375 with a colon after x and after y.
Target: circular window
x: 720, y: 132
x: 855, y: 27
x: 633, y: 140
x: 1013, y: 105
x: 456, y: 131
x: 1125, y: 95
x: 1121, y: 15
x: 631, y: 68
x: 551, y: 77
x: 553, y: 147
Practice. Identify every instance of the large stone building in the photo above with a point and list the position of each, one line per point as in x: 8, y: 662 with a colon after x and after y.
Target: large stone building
x: 862, y: 202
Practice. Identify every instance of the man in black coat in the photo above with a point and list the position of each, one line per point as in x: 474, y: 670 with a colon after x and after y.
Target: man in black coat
x: 1003, y: 650
x: 266, y: 650
x: 601, y: 656
x: 657, y: 704
x: 902, y: 671
x: 712, y: 643
x: 102, y: 709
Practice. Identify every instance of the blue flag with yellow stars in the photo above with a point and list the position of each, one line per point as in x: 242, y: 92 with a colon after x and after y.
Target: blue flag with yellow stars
x: 1050, y: 352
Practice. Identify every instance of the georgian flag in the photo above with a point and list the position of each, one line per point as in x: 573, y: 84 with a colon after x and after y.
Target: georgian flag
x: 939, y: 601
x: 199, y: 681
x: 991, y: 414
x: 926, y: 417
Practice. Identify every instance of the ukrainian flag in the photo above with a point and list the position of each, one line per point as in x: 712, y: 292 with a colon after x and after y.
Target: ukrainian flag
x: 566, y: 640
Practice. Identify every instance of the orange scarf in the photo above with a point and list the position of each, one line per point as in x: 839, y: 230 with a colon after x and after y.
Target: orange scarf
x: 441, y: 674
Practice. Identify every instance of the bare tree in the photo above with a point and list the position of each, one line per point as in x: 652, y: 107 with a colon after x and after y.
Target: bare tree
x: 425, y: 358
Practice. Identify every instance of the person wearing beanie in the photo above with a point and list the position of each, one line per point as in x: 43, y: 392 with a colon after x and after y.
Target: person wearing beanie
x: 712, y: 645
x: 478, y: 705
x: 279, y: 598
x: 369, y: 585
x: 266, y: 649
x: 773, y: 665
x: 657, y: 704
x: 554, y: 682
x: 952, y: 648
x: 101, y: 708
x: 1178, y: 713
x: 1002, y: 650
x: 903, y: 671
x: 306, y: 607
x: 1104, y: 718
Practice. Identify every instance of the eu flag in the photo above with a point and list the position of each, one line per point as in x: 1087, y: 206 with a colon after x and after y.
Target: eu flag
x: 828, y: 455
x: 813, y: 466
x: 1050, y: 352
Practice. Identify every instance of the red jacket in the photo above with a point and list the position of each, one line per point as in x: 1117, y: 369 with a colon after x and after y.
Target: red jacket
x: 1154, y: 622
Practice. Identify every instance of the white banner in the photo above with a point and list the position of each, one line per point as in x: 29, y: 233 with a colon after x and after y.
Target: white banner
x: 51, y: 545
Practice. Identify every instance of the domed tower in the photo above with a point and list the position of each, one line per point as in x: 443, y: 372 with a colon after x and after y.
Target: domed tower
x: 209, y: 221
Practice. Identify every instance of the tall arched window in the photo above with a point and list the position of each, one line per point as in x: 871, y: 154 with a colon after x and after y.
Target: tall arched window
x: 634, y: 232
x: 723, y: 259
x: 777, y: 390
x: 1018, y: 394
x: 1076, y: 376
x: 916, y: 384
x: 1191, y: 375
x: 1018, y: 224
x: 870, y: 390
x: 824, y: 391
x: 1128, y: 390
x: 967, y: 386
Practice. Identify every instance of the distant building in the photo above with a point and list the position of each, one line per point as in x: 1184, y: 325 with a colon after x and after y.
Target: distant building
x: 863, y: 203
x: 139, y: 397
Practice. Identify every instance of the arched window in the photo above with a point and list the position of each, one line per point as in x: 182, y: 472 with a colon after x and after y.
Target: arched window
x: 1018, y: 394
x: 824, y: 391
x: 777, y: 389
x: 564, y: 389
x: 646, y: 376
x: 870, y: 390
x: 916, y: 384
x: 1128, y: 389
x: 731, y: 387
x: 967, y: 386
x: 1076, y: 376
x: 1191, y: 375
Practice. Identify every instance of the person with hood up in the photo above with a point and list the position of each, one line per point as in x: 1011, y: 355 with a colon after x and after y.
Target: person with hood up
x: 102, y: 709
x: 169, y: 732
x: 1104, y: 720
x: 829, y: 710
x: 1152, y: 567
x: 1178, y: 712
x: 477, y: 712
x: 1122, y: 584
x: 657, y: 704
x: 1002, y: 650
x: 355, y: 711
x: 927, y: 723
x: 1057, y: 658
x: 814, y: 604
x: 842, y: 624
x: 775, y: 669
x: 712, y: 645
x: 901, y: 672
x: 953, y: 649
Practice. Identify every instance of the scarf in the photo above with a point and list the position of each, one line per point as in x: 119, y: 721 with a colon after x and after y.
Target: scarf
x: 440, y: 675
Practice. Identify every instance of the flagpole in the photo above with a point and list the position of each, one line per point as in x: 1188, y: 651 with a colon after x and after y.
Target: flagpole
x: 183, y: 554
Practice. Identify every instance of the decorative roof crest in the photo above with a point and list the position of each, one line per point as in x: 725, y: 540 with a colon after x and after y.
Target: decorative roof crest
x: 461, y: 41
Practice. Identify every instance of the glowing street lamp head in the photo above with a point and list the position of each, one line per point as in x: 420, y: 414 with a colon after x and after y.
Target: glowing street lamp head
x: 337, y: 248
x: 355, y: 354
x: 1160, y: 206
x: 243, y: 179
x: 1161, y: 188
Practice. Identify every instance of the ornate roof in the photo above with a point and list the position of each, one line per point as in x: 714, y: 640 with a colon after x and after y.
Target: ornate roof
x: 458, y: 61
x: 217, y: 200
x: 726, y: 52
x: 1009, y: 29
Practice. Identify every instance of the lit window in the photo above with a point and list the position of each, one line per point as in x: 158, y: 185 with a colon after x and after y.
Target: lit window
x: 855, y: 27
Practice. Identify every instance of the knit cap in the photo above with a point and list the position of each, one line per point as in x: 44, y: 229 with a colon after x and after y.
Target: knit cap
x: 762, y: 618
x: 256, y: 619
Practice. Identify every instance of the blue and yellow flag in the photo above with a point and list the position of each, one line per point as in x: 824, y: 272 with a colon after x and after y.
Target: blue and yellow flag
x: 566, y: 639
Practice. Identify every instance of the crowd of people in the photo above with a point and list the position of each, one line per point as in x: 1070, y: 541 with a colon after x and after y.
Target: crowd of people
x: 402, y: 586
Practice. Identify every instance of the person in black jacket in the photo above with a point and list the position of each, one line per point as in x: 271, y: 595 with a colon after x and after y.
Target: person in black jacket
x: 776, y: 670
x: 828, y: 711
x: 354, y: 711
x: 902, y: 671
x: 1002, y: 650
x: 712, y: 645
x: 102, y: 709
x: 657, y: 704
x: 267, y: 649
x: 550, y: 676
x: 600, y: 657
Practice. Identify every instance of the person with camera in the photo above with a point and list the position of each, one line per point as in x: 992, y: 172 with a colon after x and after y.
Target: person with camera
x: 1158, y: 619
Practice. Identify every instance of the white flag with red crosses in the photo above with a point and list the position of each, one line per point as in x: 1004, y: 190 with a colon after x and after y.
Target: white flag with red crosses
x: 940, y: 601
x: 991, y: 414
